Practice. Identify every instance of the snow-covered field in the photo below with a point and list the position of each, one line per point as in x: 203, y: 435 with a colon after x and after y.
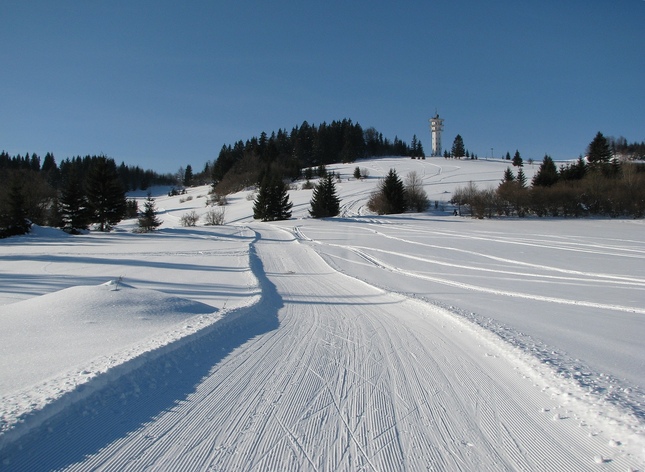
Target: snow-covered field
x: 362, y: 342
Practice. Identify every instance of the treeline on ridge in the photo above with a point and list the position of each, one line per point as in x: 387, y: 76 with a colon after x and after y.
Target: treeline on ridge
x: 287, y: 153
x: 600, y: 185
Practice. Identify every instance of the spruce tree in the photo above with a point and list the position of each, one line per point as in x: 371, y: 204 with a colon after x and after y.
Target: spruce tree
x: 148, y: 220
x: 74, y: 209
x: 521, y: 178
x: 599, y: 151
x: 547, y: 174
x: 272, y: 202
x: 458, y: 149
x: 13, y: 221
x: 188, y: 176
x: 390, y: 198
x: 517, y: 159
x: 105, y: 194
x: 324, y: 201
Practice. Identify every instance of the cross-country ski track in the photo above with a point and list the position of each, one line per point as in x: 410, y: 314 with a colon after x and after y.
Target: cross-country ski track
x: 327, y: 372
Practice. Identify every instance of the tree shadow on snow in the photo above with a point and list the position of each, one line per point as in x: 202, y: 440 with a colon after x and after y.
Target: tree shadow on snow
x: 119, y: 407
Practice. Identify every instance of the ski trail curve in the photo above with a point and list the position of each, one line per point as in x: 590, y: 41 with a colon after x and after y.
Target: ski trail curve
x: 349, y: 377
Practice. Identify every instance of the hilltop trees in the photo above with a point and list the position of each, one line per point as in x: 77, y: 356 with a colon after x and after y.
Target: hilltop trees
x: 306, y: 146
x: 324, y: 201
x: 416, y: 148
x: 458, y: 149
x: 517, y: 159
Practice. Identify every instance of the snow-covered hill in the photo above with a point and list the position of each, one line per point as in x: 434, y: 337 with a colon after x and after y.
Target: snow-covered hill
x: 363, y: 342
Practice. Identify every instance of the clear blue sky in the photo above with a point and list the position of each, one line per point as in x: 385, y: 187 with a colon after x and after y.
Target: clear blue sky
x: 163, y: 84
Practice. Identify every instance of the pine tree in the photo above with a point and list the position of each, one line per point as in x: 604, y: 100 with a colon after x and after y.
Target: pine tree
x: 458, y: 149
x: 74, y: 209
x: 599, y: 151
x: 148, y: 220
x: 508, y: 175
x: 517, y: 159
x: 413, y: 146
x: 547, y: 174
x: 272, y: 202
x: 420, y: 151
x: 105, y: 194
x: 324, y: 201
x: 13, y: 221
x: 521, y: 178
x: 188, y: 176
x: 390, y: 198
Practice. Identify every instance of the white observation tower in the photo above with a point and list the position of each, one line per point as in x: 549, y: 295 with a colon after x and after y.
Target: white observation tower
x: 436, y: 127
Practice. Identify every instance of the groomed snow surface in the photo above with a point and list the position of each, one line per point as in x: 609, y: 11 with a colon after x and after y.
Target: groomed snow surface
x: 361, y: 342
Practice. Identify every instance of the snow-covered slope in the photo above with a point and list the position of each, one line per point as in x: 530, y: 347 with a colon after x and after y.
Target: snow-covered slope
x: 354, y: 343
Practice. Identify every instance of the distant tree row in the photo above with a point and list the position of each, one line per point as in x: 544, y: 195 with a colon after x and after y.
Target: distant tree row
x: 601, y: 184
x: 458, y: 150
x: 80, y: 192
x: 620, y: 147
x: 286, y: 154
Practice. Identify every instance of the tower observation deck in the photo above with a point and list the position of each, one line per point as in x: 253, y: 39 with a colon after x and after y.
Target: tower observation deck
x: 436, y: 127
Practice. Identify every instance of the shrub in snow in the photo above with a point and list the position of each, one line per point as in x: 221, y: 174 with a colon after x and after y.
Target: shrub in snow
x: 215, y: 216
x: 217, y: 199
x: 416, y: 196
x: 307, y: 185
x: 189, y: 219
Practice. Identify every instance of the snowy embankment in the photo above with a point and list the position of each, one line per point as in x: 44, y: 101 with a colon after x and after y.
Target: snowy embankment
x: 355, y: 343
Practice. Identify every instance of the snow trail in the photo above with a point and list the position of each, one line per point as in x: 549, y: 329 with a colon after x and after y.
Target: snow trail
x: 325, y: 373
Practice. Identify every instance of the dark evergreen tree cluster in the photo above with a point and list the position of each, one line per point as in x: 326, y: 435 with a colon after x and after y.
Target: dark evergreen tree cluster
x: 620, y: 147
x: 307, y: 146
x: 80, y: 192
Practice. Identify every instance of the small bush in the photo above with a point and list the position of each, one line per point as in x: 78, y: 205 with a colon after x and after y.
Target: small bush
x: 217, y: 199
x: 215, y: 216
x: 189, y: 219
x: 307, y: 185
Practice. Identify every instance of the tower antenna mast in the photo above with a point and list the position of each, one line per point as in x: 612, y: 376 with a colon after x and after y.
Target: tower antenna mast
x: 436, y: 127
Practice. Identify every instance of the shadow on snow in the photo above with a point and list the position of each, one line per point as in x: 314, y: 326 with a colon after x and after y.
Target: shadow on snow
x: 119, y: 402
